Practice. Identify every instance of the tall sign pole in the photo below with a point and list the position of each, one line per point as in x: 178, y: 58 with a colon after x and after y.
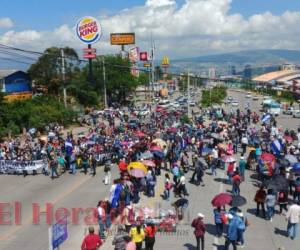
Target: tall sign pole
x: 89, y: 31
x: 152, y: 66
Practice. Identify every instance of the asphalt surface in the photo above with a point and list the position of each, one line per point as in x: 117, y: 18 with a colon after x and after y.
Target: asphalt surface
x: 82, y: 191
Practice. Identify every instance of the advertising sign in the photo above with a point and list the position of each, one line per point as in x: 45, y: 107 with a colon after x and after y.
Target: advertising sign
x: 88, y: 30
x: 122, y: 38
x: 144, y: 56
x: 165, y: 61
x: 59, y: 233
x: 134, y: 54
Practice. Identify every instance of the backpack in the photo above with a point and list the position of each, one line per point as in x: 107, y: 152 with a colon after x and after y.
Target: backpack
x: 297, y: 188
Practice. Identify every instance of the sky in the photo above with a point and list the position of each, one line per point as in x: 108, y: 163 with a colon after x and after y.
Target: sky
x: 181, y: 28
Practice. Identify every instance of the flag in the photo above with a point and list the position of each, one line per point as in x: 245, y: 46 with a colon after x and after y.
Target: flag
x: 68, y: 147
x: 266, y: 118
x: 276, y: 147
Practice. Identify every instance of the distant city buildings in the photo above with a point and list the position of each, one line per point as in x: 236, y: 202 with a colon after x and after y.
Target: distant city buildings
x: 211, y: 73
x: 248, y: 72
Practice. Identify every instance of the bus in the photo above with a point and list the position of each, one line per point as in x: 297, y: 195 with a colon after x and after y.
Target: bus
x: 271, y: 107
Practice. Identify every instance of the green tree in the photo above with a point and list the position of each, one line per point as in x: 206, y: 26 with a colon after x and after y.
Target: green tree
x: 119, y: 80
x: 47, y: 70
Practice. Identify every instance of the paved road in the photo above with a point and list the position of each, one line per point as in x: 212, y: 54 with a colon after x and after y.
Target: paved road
x: 84, y: 191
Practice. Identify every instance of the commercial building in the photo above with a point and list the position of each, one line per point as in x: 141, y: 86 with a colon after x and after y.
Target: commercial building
x: 15, y: 84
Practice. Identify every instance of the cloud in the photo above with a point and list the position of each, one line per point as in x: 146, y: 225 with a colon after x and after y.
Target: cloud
x: 6, y: 23
x: 195, y: 28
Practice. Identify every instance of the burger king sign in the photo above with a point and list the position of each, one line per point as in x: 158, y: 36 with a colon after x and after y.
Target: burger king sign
x: 88, y: 30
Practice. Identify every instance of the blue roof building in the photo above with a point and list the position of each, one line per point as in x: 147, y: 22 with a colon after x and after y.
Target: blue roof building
x: 14, y: 81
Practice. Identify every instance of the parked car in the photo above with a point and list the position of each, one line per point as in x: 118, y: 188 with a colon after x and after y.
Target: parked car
x: 288, y: 111
x: 234, y: 103
x: 296, y: 114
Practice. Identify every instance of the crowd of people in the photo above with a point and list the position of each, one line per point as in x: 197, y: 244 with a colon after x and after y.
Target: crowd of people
x: 168, y: 146
x: 202, y: 147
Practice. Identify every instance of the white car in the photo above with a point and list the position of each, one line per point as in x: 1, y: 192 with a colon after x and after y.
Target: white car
x: 296, y: 114
x: 255, y: 98
x: 164, y: 103
x: 248, y: 95
x: 234, y: 103
x: 175, y: 104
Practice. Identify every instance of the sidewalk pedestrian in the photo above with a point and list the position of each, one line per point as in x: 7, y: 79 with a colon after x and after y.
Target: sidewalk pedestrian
x: 199, y: 230
x: 232, y: 233
x: 137, y: 234
x: 270, y: 203
x: 293, y: 217
x: 168, y: 186
x: 91, y: 241
x: 119, y: 241
x: 218, y: 217
x: 107, y: 173
x: 150, y: 232
x: 260, y: 198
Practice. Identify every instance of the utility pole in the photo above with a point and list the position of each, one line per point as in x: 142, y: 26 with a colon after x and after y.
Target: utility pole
x: 63, y: 71
x: 152, y: 66
x: 188, y: 86
x: 104, y: 83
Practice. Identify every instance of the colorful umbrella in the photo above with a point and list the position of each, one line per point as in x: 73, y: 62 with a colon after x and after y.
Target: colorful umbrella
x: 122, y: 166
x: 296, y: 168
x: 221, y: 200
x: 140, y: 134
x: 159, y: 154
x: 156, y: 148
x: 229, y: 158
x: 146, y: 155
x: 172, y: 130
x: 148, y: 163
x: 159, y: 142
x: 137, y: 173
x: 137, y: 165
x: 267, y: 157
x: 288, y: 138
x: 238, y: 201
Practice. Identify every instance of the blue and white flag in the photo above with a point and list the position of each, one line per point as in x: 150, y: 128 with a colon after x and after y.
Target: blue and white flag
x: 266, y: 118
x: 68, y: 147
x: 277, y: 147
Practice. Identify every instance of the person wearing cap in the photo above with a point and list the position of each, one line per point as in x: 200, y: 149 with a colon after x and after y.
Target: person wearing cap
x: 199, y: 231
x: 92, y: 241
x: 232, y: 233
x: 243, y: 223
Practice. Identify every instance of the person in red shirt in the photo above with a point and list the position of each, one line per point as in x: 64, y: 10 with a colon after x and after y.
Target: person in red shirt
x: 199, y: 231
x: 150, y: 232
x: 91, y: 241
x: 236, y: 181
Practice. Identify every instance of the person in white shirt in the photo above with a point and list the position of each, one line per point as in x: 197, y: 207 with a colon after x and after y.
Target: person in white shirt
x: 293, y: 217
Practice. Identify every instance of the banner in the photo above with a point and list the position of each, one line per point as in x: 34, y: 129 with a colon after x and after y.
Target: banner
x: 10, y: 166
x: 134, y: 54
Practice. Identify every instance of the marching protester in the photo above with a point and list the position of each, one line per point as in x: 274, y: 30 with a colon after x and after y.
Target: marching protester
x: 91, y: 241
x: 199, y: 231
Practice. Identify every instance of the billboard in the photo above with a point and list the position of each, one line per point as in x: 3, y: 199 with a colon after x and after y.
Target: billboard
x: 122, y: 38
x: 143, y: 56
x: 88, y: 30
x: 134, y: 54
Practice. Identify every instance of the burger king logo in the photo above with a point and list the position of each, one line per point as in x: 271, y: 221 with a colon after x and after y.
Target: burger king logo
x: 88, y: 30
